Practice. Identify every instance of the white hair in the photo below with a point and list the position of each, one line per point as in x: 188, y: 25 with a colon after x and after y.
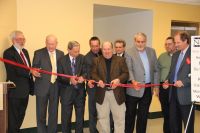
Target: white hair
x: 14, y: 33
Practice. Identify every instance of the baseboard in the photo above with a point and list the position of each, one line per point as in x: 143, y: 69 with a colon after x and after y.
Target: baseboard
x: 151, y: 115
x: 34, y: 129
x: 155, y: 115
x: 197, y: 107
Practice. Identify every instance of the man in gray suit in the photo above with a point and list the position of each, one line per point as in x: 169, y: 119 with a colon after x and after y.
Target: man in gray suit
x: 143, y: 69
x: 46, y: 86
x: 180, y: 94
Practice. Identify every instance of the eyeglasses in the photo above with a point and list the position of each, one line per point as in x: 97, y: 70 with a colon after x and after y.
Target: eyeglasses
x: 20, y: 39
x: 140, y: 41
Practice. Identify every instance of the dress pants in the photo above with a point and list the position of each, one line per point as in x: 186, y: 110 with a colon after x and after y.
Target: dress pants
x: 143, y: 104
x: 16, y: 112
x: 49, y: 101
x: 179, y: 113
x: 77, y: 99
x: 103, y: 113
x: 92, y: 110
x: 164, y: 101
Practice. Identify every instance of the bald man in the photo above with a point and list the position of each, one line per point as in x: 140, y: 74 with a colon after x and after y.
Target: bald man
x: 46, y: 86
x: 111, y: 69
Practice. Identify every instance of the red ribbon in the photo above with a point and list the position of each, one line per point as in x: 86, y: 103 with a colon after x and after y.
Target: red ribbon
x: 69, y: 76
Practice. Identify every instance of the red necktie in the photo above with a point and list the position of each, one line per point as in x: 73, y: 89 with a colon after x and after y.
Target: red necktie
x: 23, y: 58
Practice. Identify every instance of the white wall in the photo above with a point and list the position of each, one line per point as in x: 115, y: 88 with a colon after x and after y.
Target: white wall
x: 124, y: 27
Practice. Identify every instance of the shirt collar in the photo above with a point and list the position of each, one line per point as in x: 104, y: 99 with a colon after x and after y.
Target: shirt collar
x: 70, y: 57
x: 184, y: 51
x: 52, y: 52
x: 121, y: 54
x: 18, y: 50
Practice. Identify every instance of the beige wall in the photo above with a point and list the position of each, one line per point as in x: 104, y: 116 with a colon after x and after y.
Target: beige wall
x: 73, y: 20
x: 8, y: 22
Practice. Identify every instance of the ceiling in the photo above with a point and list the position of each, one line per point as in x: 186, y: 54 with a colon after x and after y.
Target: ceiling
x: 107, y: 11
x: 190, y: 2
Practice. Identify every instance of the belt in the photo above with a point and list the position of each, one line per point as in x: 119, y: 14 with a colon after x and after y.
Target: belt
x: 108, y: 89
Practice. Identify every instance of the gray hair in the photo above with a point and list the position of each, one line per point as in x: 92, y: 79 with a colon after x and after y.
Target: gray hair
x: 72, y: 44
x: 107, y: 42
x: 140, y: 34
x: 14, y: 34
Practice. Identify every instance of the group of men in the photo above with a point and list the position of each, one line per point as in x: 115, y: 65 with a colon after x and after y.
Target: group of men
x: 101, y: 74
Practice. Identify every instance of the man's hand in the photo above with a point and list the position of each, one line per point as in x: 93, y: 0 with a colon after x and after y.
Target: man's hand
x: 73, y: 81
x: 165, y: 84
x: 81, y: 79
x: 114, y: 83
x: 178, y: 84
x: 91, y: 83
x: 101, y: 84
x: 135, y: 85
x: 35, y: 72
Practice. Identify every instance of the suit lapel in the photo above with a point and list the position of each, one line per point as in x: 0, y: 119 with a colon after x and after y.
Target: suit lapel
x: 17, y: 56
x: 27, y: 56
x: 78, y: 65
x: 184, y: 59
x: 112, y: 64
x: 68, y: 64
x: 103, y: 67
x: 57, y: 55
x: 149, y: 58
x: 136, y: 54
x: 46, y: 56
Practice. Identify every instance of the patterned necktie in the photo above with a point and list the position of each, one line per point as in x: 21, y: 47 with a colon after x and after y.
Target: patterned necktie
x: 53, y: 65
x: 23, y: 58
x: 180, y: 59
x: 73, y: 66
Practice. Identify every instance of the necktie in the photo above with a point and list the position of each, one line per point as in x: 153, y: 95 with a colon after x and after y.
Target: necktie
x: 23, y: 58
x: 53, y: 65
x: 180, y: 58
x: 73, y: 67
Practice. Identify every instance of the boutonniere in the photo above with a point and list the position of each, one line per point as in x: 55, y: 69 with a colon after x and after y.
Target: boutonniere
x: 188, y: 61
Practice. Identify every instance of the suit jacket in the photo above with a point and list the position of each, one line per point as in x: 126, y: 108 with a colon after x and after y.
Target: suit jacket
x: 64, y: 67
x: 41, y: 60
x: 88, y: 61
x: 21, y: 77
x: 183, y: 93
x: 137, y: 71
x: 118, y: 70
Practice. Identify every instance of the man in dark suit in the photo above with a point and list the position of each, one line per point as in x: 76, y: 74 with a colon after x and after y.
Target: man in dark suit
x: 18, y: 97
x: 72, y: 90
x: 94, y: 52
x: 120, y: 46
x: 111, y: 69
x: 46, y: 86
x: 180, y: 93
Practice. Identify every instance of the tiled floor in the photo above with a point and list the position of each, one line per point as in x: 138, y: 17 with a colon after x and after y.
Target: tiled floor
x: 155, y: 125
